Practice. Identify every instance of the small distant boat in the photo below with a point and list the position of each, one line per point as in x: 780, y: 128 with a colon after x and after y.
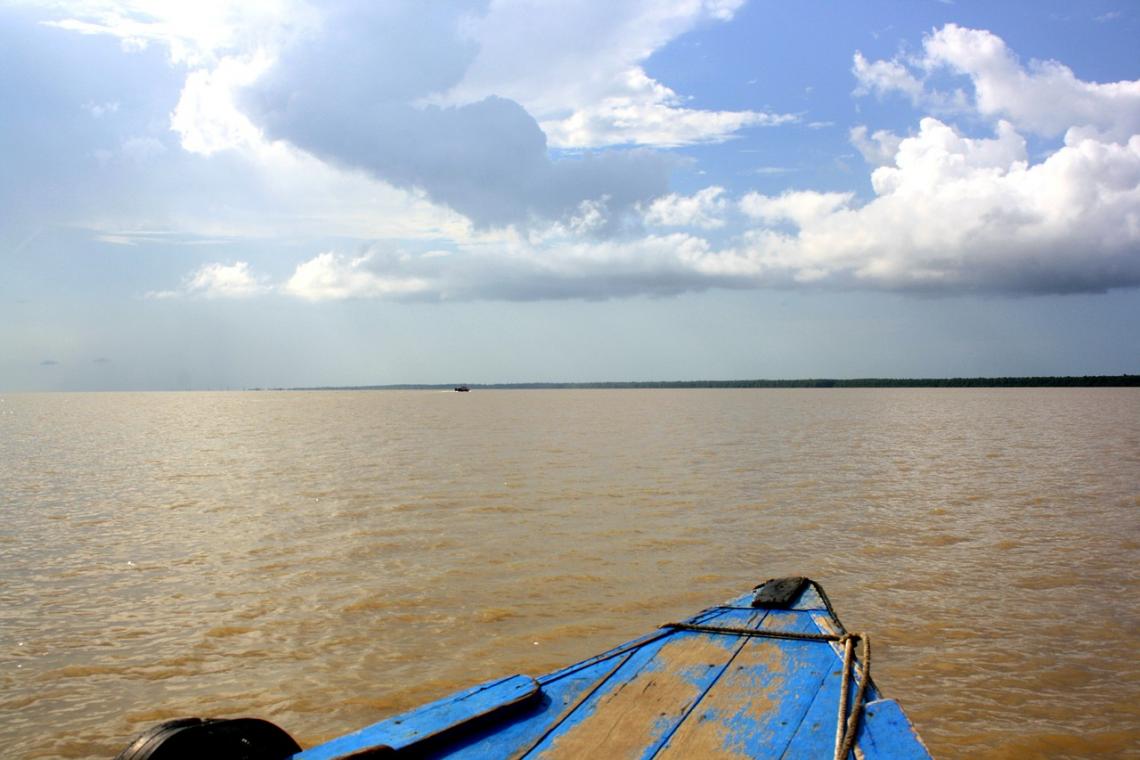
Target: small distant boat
x: 770, y: 674
x: 462, y: 388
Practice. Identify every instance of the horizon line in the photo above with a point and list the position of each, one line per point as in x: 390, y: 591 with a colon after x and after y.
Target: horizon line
x: 1027, y: 381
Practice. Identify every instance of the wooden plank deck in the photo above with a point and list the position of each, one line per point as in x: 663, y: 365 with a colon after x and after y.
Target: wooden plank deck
x: 670, y: 694
x: 690, y: 694
x: 759, y: 703
x: 642, y: 703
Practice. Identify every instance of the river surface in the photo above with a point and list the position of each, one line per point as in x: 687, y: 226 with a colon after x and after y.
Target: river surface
x: 322, y: 559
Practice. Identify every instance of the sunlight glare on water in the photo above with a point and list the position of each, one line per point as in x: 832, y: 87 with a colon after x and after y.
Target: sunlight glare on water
x: 322, y: 559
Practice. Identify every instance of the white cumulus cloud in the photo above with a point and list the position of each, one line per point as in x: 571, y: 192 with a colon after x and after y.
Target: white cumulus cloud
x: 330, y: 276
x: 883, y: 77
x: 879, y: 148
x: 798, y: 207
x: 578, y: 68
x: 955, y: 213
x: 218, y: 280
x: 518, y: 269
x: 649, y: 113
x: 705, y: 209
x: 960, y: 214
x: 206, y: 117
x: 1043, y: 97
x: 195, y: 33
x: 446, y: 145
x: 951, y: 214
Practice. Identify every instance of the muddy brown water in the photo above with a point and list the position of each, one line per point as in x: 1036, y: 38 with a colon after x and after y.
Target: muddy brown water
x: 322, y: 559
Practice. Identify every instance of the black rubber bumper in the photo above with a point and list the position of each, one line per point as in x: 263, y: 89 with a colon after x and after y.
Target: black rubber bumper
x: 214, y: 738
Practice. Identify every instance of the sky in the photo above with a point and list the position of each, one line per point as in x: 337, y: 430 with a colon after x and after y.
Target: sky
x: 275, y: 193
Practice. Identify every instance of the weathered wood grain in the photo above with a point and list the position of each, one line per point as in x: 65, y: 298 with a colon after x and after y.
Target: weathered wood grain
x: 754, y: 709
x: 887, y: 734
x: 672, y: 693
x: 815, y: 736
x: 643, y: 702
x: 518, y: 733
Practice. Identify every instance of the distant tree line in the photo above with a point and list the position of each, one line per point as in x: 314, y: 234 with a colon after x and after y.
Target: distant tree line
x: 1068, y: 381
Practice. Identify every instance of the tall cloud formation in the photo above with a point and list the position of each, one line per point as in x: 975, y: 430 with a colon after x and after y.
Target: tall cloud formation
x: 955, y: 213
x: 960, y: 214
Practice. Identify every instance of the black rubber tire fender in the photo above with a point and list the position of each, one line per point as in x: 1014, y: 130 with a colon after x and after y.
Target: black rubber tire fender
x: 213, y: 738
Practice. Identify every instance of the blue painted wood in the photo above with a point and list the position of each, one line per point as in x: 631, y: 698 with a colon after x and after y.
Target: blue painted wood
x: 886, y: 734
x: 815, y: 736
x: 672, y: 693
x: 641, y: 704
x: 430, y: 720
x: 756, y: 707
x: 702, y: 617
x: 524, y: 728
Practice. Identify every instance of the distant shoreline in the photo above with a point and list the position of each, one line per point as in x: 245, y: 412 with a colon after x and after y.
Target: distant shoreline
x: 1067, y: 381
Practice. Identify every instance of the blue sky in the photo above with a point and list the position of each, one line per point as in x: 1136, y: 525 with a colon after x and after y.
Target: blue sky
x: 277, y: 193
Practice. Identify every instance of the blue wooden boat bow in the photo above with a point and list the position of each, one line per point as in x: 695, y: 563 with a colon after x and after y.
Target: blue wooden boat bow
x: 770, y: 674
